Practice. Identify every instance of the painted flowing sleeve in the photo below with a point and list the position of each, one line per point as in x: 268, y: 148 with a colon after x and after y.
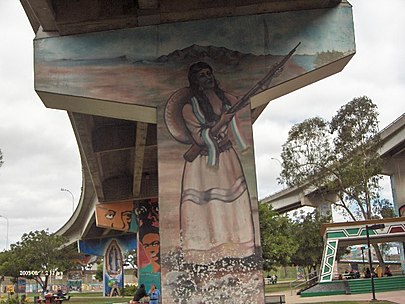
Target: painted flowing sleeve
x: 194, y: 126
x: 201, y: 131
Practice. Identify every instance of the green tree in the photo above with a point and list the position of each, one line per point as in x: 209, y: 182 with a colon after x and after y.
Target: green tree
x: 306, y: 233
x: 339, y: 157
x: 277, y: 242
x: 37, y: 255
x: 99, y: 276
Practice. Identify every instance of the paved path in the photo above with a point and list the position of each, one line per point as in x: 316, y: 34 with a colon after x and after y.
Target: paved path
x: 392, y: 296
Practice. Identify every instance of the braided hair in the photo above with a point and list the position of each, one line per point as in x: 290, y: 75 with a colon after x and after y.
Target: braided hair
x: 199, y: 94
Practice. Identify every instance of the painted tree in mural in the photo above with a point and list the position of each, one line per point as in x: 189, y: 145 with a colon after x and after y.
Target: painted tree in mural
x: 36, y: 256
x: 340, y: 157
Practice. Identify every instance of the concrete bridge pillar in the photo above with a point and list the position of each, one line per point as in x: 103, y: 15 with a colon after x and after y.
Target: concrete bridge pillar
x: 155, y: 109
x: 148, y: 245
x: 397, y: 166
x: 398, y: 188
x: 210, y: 237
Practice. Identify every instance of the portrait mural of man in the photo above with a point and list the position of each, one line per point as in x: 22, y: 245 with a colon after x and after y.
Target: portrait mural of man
x: 117, y: 215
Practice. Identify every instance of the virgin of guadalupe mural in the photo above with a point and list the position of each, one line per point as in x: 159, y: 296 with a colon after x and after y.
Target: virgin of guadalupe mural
x: 215, y: 208
x: 113, y: 259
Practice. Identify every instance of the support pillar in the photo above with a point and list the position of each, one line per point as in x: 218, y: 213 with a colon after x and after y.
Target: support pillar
x: 328, y: 260
x: 148, y: 244
x: 210, y: 238
x: 398, y: 194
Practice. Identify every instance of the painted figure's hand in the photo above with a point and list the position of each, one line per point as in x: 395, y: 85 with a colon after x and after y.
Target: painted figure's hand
x: 223, y: 120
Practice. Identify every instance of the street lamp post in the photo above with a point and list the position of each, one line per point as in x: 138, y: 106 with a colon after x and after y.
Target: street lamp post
x: 281, y: 167
x: 370, y: 262
x: 6, y: 230
x: 73, y: 198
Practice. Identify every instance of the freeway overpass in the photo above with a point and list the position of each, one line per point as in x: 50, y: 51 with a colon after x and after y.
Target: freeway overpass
x: 392, y: 153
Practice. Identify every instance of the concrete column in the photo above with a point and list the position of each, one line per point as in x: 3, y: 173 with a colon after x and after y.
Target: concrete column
x: 398, y: 194
x: 210, y: 238
x: 148, y: 244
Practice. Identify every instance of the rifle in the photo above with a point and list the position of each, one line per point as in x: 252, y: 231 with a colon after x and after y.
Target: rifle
x: 264, y: 83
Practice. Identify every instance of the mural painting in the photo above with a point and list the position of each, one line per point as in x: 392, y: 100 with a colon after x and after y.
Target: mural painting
x: 113, y: 269
x: 148, y: 243
x: 117, y: 216
x: 112, y: 249
x: 144, y: 65
x: 206, y: 243
x: 74, y: 282
x: 218, y: 254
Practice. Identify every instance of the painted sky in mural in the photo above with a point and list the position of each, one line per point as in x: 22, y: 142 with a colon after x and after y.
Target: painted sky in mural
x: 145, y: 64
x: 319, y: 23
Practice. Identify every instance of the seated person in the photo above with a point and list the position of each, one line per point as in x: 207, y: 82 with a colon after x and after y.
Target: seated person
x: 367, y: 273
x: 387, y: 271
x: 139, y: 294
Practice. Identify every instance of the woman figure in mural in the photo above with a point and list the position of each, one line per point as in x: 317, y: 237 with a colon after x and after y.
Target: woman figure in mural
x: 215, y: 208
x: 151, y: 243
x: 113, y: 259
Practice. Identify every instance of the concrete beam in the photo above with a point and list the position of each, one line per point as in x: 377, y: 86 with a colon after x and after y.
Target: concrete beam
x: 98, y: 107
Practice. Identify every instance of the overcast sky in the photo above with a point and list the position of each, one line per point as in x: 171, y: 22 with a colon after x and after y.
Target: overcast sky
x: 41, y: 154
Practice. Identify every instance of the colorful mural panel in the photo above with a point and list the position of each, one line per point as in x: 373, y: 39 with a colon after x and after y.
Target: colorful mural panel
x: 98, y: 247
x: 74, y: 285
x: 210, y: 233
x: 146, y: 63
x: 148, y: 243
x: 113, y: 269
x: 112, y: 249
x: 117, y: 216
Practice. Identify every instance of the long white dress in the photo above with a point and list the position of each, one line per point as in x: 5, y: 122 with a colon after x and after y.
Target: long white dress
x: 216, y: 218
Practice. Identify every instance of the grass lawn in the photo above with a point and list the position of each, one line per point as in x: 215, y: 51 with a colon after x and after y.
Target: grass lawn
x: 89, y: 298
x: 97, y: 298
x: 280, y: 286
x: 284, y: 287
